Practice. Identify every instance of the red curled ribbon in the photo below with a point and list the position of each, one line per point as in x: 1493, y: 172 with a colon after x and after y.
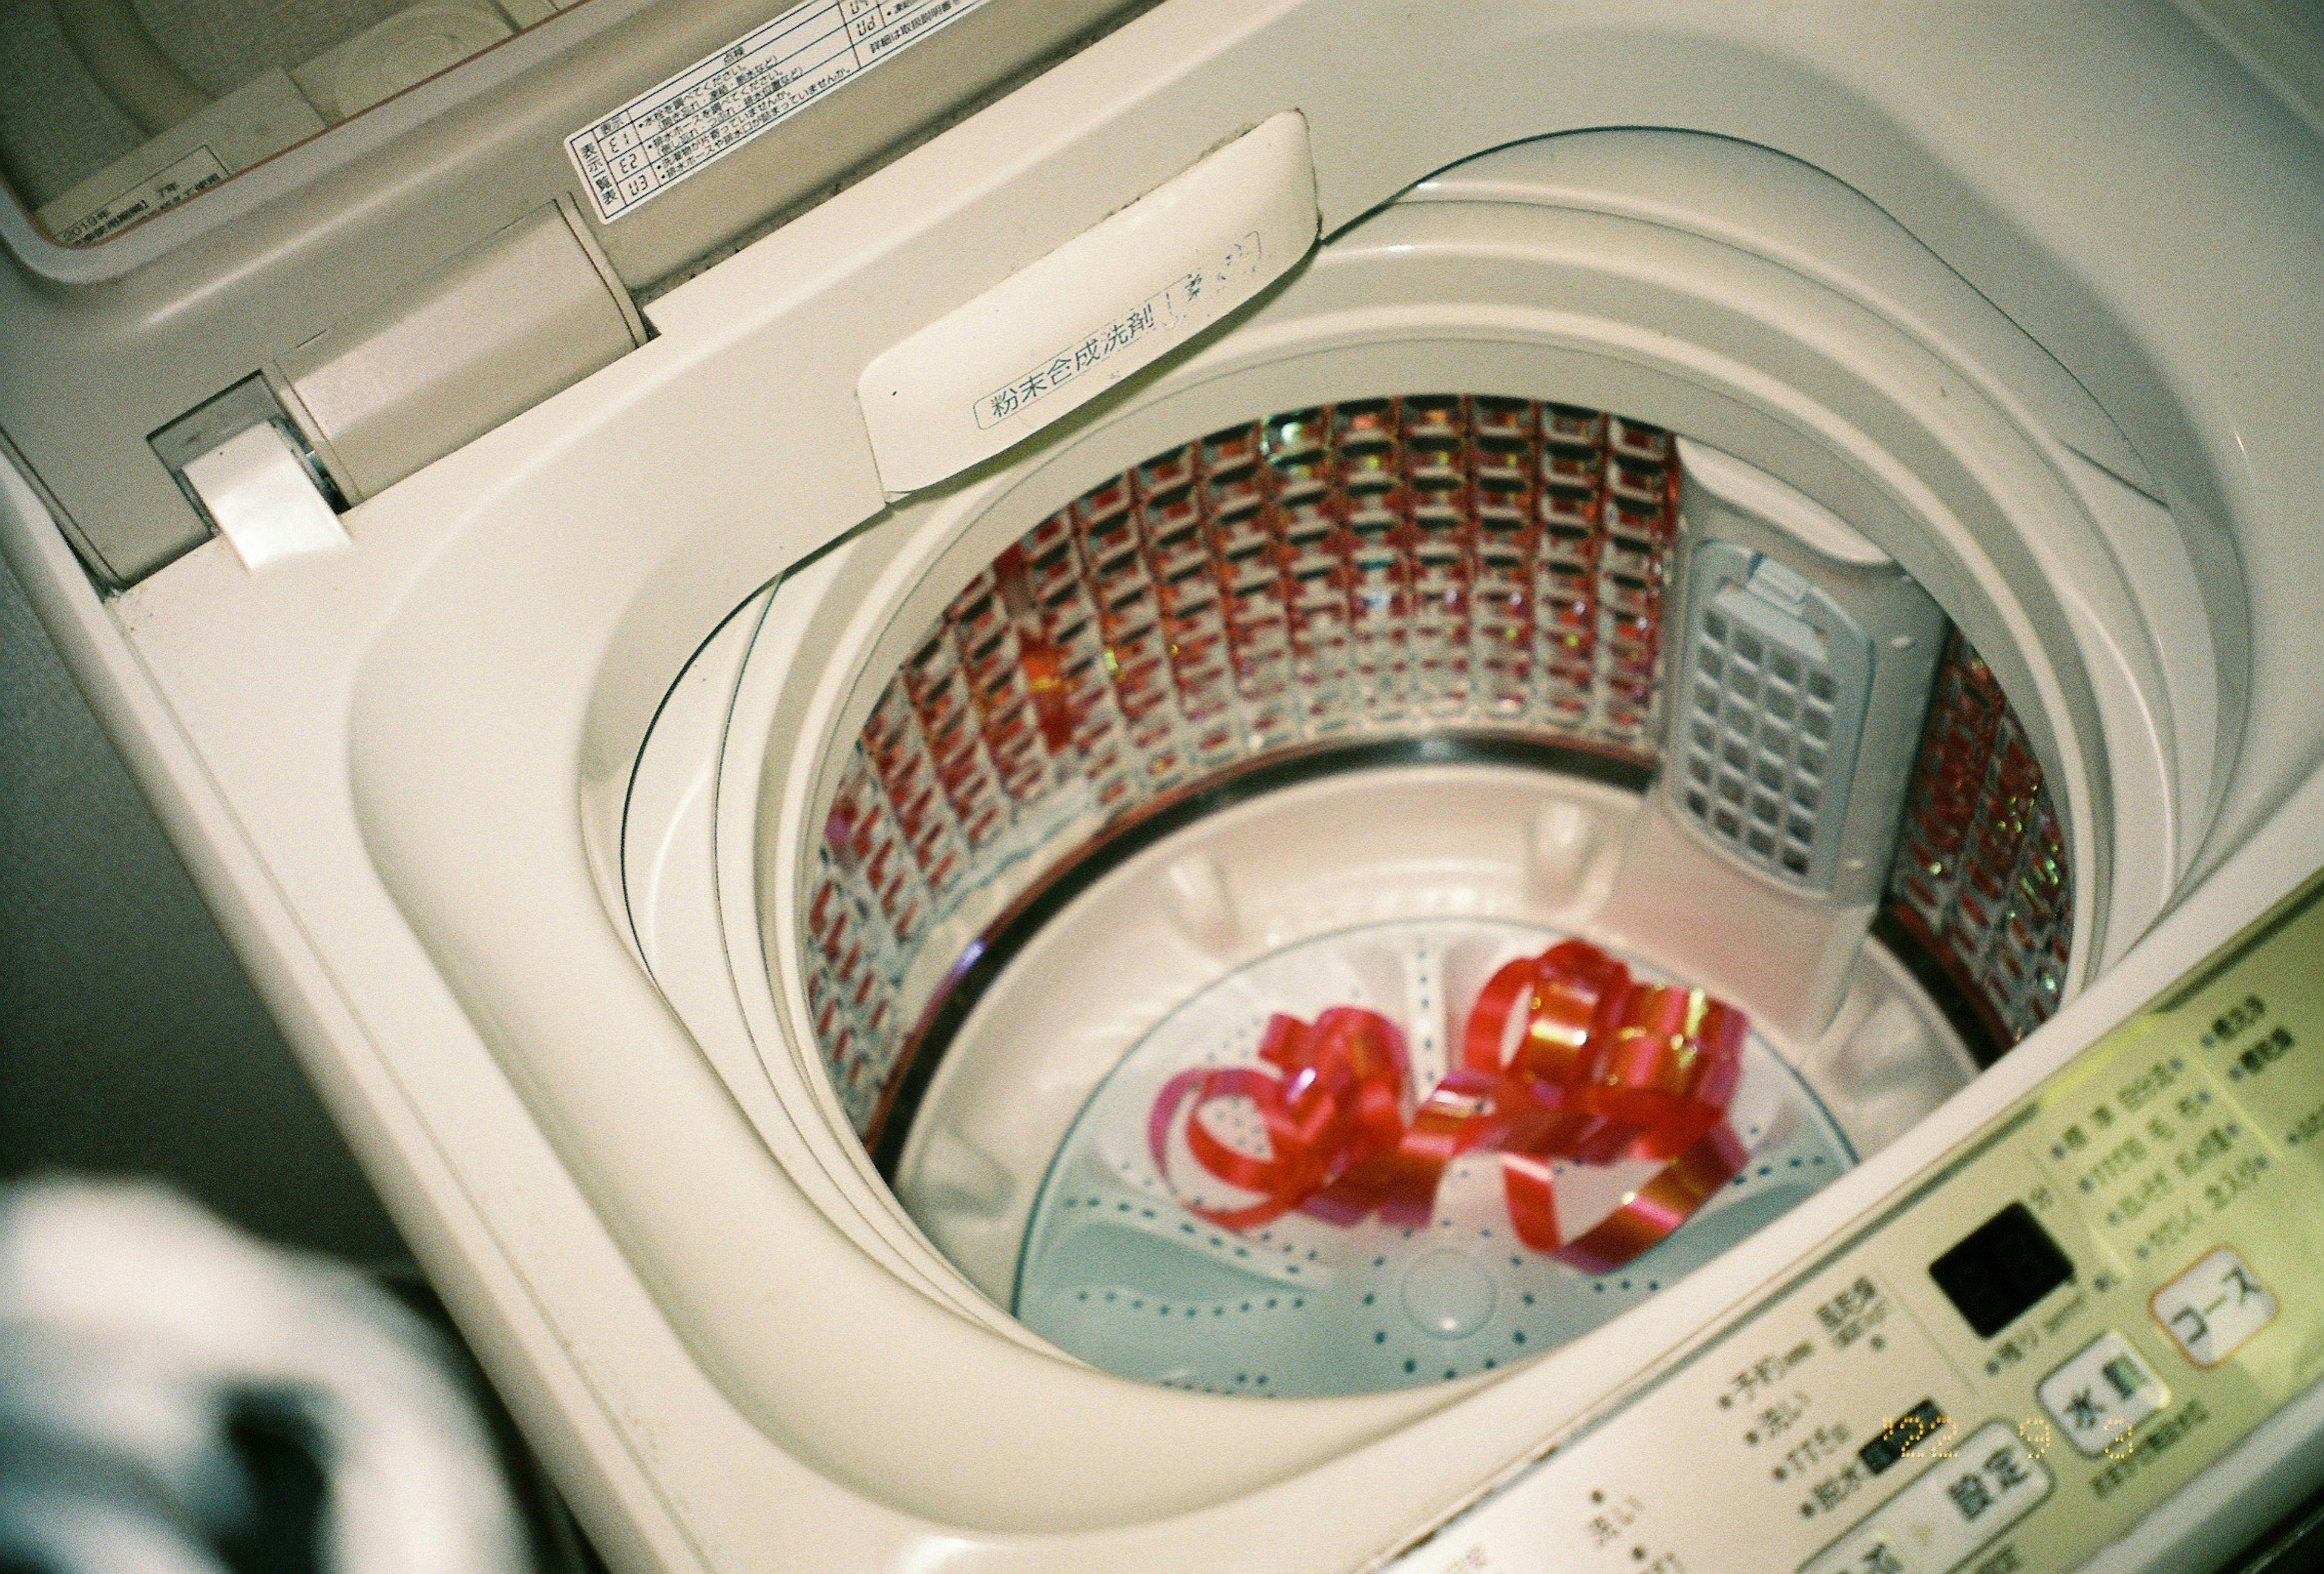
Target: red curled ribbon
x: 1563, y: 1057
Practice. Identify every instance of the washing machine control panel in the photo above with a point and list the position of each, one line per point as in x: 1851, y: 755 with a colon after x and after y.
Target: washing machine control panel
x: 2016, y: 1358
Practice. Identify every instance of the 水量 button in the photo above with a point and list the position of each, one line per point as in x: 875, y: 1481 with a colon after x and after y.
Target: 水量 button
x: 2102, y: 1393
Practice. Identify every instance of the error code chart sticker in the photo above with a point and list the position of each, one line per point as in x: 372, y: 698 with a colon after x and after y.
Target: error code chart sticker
x: 688, y: 122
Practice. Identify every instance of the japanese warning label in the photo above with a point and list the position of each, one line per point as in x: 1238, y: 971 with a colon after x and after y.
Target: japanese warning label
x: 695, y: 118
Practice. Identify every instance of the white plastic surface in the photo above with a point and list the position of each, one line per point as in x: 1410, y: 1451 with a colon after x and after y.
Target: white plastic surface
x: 667, y: 873
x: 404, y: 50
x: 262, y: 499
x: 1752, y: 490
x: 258, y: 119
x: 1105, y: 305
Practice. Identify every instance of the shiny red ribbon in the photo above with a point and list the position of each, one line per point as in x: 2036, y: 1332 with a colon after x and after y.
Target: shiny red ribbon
x: 1563, y: 1057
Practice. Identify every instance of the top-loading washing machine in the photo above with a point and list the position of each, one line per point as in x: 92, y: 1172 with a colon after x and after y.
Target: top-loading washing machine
x: 1304, y: 786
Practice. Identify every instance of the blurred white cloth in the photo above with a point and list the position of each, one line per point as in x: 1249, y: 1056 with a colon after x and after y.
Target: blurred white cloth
x: 135, y: 1328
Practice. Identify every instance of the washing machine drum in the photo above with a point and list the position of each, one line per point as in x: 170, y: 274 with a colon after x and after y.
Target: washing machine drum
x: 1369, y: 893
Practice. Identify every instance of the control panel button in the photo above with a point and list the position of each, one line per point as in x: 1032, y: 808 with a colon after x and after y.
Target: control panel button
x: 2214, y: 1307
x: 2102, y: 1393
x: 1958, y: 1505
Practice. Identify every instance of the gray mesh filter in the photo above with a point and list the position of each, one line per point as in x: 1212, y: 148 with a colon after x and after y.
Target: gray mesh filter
x: 1775, y: 682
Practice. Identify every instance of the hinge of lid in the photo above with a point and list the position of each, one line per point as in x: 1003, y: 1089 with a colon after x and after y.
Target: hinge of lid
x: 251, y: 474
x: 523, y: 315
x: 270, y: 463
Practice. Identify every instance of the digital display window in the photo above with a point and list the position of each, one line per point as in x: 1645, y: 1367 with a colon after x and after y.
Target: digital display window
x: 1902, y: 1436
x: 2000, y: 1269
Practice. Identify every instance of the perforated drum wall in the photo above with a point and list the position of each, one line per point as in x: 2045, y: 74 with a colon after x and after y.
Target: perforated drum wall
x: 1350, y: 572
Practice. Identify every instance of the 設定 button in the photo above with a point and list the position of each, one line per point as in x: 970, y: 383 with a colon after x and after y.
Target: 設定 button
x: 1960, y: 1505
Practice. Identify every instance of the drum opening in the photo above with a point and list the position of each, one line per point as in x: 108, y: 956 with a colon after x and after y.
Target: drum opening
x: 1320, y: 601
